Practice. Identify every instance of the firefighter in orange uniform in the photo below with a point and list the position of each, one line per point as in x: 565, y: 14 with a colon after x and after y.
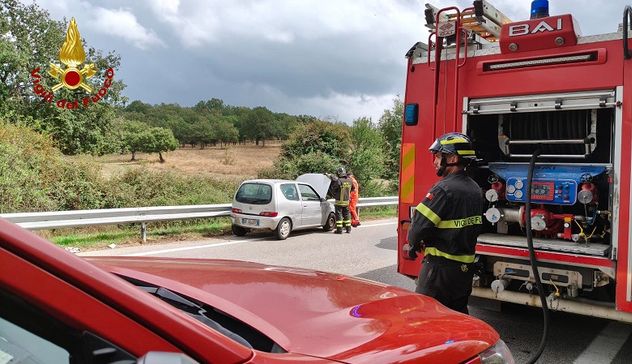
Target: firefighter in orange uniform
x: 353, y: 200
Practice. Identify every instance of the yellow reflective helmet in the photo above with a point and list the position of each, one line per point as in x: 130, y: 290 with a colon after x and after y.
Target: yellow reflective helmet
x: 454, y: 143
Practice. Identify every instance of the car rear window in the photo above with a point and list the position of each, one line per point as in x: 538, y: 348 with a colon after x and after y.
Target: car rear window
x: 254, y: 193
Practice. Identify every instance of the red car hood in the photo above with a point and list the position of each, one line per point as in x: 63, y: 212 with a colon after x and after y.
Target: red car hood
x: 316, y: 313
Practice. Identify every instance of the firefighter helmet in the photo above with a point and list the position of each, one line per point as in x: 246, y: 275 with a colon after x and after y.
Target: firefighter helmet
x: 341, y: 172
x: 454, y: 143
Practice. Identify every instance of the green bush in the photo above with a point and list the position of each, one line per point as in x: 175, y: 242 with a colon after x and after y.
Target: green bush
x: 78, y: 186
x: 375, y: 188
x: 20, y: 184
x: 141, y: 187
x: 35, y: 177
x: 272, y: 173
x: 282, y: 169
x: 319, y: 136
x: 367, y: 157
x: 313, y: 162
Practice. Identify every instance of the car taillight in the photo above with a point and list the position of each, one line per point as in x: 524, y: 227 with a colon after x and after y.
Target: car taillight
x: 236, y: 210
x: 497, y: 354
x: 269, y: 213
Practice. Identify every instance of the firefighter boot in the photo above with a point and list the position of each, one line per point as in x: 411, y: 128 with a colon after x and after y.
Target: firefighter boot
x: 339, y: 224
x: 348, y: 229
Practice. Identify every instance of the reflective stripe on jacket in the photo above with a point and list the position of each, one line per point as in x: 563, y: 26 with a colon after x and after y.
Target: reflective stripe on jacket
x: 449, y: 219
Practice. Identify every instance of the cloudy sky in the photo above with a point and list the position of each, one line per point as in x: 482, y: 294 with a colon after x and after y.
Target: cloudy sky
x: 334, y: 59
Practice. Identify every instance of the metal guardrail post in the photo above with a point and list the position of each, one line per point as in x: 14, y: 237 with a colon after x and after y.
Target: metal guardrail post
x: 143, y: 231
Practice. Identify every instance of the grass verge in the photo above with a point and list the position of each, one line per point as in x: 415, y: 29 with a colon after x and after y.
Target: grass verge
x: 96, y: 238
x: 378, y: 212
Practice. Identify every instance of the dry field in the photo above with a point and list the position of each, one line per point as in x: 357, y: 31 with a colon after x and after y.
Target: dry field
x: 235, y: 162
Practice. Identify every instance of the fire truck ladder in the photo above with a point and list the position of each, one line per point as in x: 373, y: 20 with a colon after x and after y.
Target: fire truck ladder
x: 481, y: 20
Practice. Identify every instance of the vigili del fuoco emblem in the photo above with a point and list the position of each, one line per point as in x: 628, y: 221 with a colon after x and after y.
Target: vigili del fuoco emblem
x: 73, y: 76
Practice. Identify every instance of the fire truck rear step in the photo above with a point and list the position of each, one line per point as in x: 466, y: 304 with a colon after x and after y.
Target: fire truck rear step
x: 594, y: 309
x: 557, y: 245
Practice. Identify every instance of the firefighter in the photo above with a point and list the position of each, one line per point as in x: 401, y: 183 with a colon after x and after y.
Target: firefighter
x: 353, y: 201
x: 446, y: 225
x: 340, y: 189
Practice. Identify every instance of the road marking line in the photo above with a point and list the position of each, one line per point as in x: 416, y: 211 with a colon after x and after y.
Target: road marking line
x: 604, y: 347
x: 190, y: 248
x: 380, y: 224
x: 172, y: 250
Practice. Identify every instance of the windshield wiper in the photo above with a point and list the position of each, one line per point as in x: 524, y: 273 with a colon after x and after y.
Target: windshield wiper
x: 194, y: 310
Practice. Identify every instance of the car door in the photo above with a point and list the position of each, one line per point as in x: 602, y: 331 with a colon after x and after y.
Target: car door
x: 312, y: 213
x: 290, y: 203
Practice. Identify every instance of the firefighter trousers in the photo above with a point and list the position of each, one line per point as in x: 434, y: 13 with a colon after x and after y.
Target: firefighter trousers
x: 355, y: 219
x: 447, y: 281
x: 342, y: 218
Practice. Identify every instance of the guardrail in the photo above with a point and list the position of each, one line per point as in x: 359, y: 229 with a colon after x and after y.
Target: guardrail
x: 140, y: 215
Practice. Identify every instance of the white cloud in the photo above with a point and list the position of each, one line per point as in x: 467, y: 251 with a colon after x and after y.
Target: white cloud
x: 341, y: 107
x: 122, y: 23
x: 167, y: 7
x: 199, y: 22
x: 333, y: 106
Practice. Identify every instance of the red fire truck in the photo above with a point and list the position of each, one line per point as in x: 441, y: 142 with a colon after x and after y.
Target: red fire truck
x: 516, y: 87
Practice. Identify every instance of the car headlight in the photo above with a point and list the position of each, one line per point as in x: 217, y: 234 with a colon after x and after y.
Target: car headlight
x: 497, y: 354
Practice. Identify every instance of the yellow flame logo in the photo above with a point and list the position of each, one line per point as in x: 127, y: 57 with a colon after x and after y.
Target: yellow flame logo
x: 72, y: 55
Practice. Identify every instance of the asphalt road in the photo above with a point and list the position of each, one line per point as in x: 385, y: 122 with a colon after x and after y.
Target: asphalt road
x: 370, y: 252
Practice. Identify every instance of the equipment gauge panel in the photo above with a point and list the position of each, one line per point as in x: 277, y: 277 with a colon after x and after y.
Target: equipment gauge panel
x: 552, y: 192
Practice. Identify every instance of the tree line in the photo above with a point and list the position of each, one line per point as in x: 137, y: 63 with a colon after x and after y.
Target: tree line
x: 212, y: 122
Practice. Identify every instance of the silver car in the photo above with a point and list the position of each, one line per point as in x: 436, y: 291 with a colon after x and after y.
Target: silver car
x: 280, y: 206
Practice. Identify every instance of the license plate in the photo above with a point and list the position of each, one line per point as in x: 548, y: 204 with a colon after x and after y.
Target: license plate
x: 253, y: 222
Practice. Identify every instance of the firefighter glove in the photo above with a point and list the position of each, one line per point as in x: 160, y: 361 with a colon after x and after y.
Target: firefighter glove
x: 409, y: 252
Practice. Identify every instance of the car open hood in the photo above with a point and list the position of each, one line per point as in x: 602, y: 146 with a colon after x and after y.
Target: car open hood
x: 316, y: 313
x: 319, y: 181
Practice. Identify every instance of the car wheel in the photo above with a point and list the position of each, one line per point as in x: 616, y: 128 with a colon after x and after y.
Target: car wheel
x: 330, y: 224
x: 283, y: 229
x: 239, y: 231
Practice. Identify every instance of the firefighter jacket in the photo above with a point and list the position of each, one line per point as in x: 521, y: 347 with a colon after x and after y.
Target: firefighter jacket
x: 340, y: 189
x: 449, y: 219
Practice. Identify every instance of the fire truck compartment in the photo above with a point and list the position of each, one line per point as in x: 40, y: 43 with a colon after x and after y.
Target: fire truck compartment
x: 572, y: 188
x: 572, y: 127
